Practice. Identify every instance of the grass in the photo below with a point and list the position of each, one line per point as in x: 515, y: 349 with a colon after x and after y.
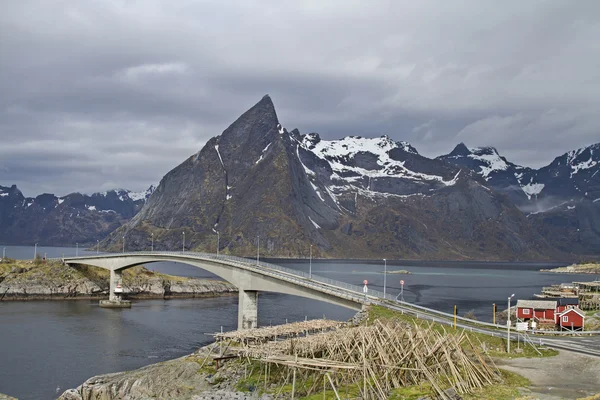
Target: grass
x: 507, y: 391
x: 495, y: 345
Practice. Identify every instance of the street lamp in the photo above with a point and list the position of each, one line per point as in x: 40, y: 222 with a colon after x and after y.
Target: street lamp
x: 384, y: 276
x: 257, y: 248
x: 76, y: 249
x: 218, y: 242
x: 152, y: 245
x: 97, y: 246
x: 183, y: 243
x: 35, y: 251
x: 123, y: 243
x: 508, y: 326
x: 310, y: 264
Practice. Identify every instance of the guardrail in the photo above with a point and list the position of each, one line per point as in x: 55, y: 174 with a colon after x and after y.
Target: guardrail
x: 339, y: 288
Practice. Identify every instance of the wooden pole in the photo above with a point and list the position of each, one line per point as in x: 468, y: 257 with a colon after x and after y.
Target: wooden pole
x: 494, y: 313
x: 455, y: 316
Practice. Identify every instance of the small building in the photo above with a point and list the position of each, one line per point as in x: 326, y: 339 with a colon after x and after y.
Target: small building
x: 540, y: 310
x: 565, y: 303
x: 572, y: 318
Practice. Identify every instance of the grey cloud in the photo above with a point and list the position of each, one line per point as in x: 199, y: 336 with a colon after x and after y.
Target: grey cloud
x: 94, y: 94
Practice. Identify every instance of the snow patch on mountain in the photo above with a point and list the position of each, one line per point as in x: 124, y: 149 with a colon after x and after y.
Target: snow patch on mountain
x: 144, y: 195
x: 532, y: 189
x: 3, y: 194
x: 490, y: 158
x: 583, y: 165
x: 340, y: 153
x: 263, y: 153
x: 314, y: 223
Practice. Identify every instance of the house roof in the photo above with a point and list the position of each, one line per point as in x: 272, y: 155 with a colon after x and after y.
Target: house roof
x: 576, y: 310
x: 537, y: 304
x: 568, y: 301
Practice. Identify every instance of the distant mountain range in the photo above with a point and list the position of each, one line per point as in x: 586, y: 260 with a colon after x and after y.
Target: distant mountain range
x: 74, y: 218
x: 357, y: 197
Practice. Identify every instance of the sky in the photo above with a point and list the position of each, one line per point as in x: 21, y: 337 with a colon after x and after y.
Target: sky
x: 96, y: 95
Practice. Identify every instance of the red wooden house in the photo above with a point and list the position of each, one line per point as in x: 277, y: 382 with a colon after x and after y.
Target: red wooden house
x: 538, y: 310
x: 571, y: 318
x: 565, y: 303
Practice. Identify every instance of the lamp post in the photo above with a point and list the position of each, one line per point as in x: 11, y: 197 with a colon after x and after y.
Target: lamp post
x: 35, y: 251
x: 97, y: 246
x: 257, y: 248
x: 508, y: 326
x: 310, y: 264
x: 76, y: 249
x: 183, y: 242
x: 4, y: 253
x: 384, y: 276
x: 218, y: 242
x: 152, y: 245
x: 123, y: 243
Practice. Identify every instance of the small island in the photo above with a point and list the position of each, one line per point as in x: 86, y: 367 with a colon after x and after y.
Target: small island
x: 400, y: 271
x: 52, y: 280
x: 585, y: 268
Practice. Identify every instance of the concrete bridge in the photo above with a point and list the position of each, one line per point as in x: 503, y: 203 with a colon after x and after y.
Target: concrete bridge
x: 249, y: 276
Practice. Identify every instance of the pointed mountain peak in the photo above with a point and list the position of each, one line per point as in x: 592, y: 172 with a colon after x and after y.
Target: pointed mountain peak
x: 460, y: 150
x: 254, y: 123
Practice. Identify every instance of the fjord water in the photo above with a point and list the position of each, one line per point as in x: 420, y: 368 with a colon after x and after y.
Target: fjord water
x: 59, y: 344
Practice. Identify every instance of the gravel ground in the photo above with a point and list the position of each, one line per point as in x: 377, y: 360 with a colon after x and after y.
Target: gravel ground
x: 566, y: 376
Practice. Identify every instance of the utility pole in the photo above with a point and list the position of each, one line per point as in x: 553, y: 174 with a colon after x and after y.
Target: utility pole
x: 508, y: 326
x: 152, y: 245
x: 4, y: 253
x: 35, y: 251
x: 310, y: 264
x: 494, y: 313
x: 183, y: 245
x: 384, y: 277
x: 123, y: 243
x: 257, y: 248
x: 97, y: 246
x: 76, y: 249
x: 218, y: 242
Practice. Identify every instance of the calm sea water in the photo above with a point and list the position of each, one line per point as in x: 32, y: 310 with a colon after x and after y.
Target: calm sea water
x: 47, y: 346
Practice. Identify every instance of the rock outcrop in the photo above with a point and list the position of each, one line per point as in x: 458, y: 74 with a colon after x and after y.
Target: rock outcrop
x: 54, y: 281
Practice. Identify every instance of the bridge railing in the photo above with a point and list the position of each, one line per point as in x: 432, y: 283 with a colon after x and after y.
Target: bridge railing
x: 308, y: 279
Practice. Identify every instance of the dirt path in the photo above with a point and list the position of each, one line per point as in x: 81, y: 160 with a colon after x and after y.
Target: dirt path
x: 566, y: 376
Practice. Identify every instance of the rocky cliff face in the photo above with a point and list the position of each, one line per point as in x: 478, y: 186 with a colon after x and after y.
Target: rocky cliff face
x: 75, y: 218
x: 353, y: 197
x: 561, y: 200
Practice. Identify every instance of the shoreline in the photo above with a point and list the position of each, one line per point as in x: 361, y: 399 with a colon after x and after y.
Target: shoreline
x: 43, y: 297
x: 587, y: 269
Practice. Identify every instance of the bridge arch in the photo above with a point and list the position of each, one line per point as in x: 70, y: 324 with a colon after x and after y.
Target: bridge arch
x: 248, y: 278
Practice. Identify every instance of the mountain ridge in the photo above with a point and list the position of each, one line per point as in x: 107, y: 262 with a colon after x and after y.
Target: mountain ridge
x: 353, y: 197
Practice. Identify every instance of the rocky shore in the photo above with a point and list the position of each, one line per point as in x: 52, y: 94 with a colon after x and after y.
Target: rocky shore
x: 28, y: 280
x: 588, y: 268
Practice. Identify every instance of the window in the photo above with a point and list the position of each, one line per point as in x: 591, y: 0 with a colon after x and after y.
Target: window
x: 526, y: 311
x: 565, y: 318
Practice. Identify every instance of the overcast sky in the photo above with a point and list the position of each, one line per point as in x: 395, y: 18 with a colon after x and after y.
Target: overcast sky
x: 102, y: 94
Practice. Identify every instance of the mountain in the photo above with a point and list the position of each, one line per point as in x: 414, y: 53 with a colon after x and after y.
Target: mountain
x: 51, y: 220
x: 561, y: 200
x: 354, y: 197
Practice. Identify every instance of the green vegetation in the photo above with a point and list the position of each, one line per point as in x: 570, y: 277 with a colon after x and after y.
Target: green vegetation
x: 494, y: 346
x: 507, y: 391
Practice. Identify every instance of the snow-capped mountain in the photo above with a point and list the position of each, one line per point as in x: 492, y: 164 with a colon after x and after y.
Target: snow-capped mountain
x: 64, y: 220
x: 573, y: 176
x: 353, y: 197
x: 561, y: 200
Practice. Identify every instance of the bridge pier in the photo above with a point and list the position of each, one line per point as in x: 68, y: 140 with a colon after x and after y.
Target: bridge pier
x: 248, y: 309
x: 115, y: 295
